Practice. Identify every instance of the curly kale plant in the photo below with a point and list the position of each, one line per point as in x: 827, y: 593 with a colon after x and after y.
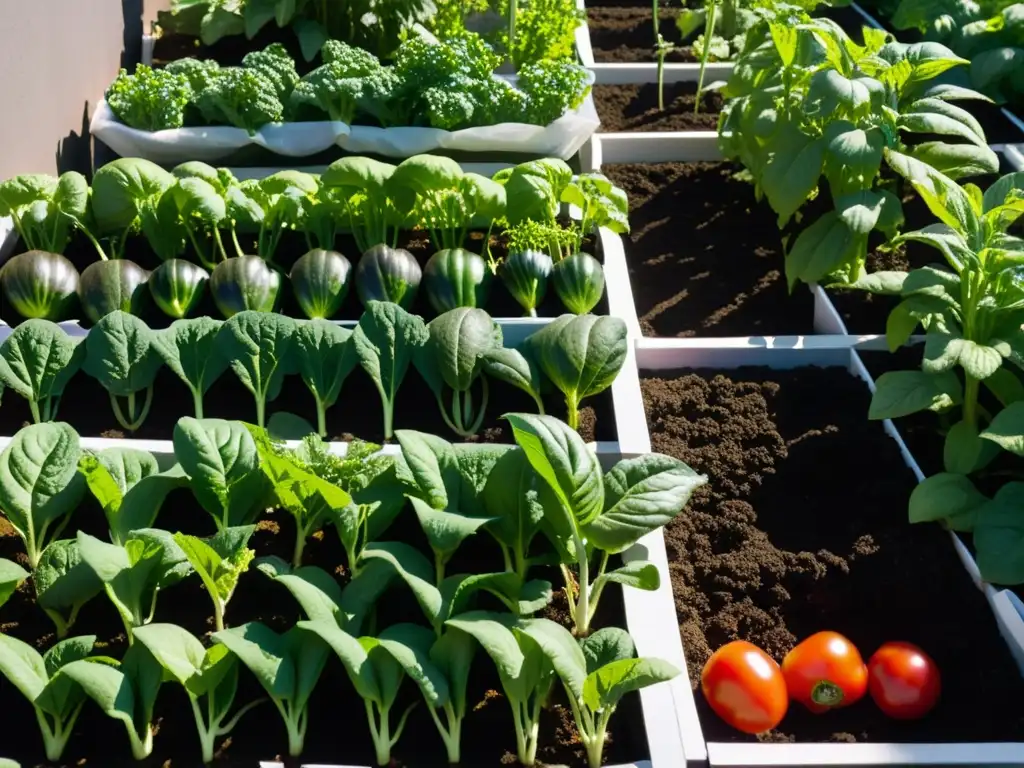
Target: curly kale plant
x: 244, y: 98
x: 149, y: 100
x: 553, y: 88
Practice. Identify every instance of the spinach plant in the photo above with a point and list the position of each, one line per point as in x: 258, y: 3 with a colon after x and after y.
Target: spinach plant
x: 433, y: 192
x: 596, y: 680
x: 258, y: 346
x: 515, y: 366
x: 385, y: 342
x: 37, y: 360
x: 134, y: 574
x: 130, y: 487
x: 324, y: 360
x: 581, y: 355
x: 362, y: 184
x: 45, y: 210
x: 125, y: 690
x: 208, y: 675
x: 970, y: 309
x: 520, y: 651
x: 39, y: 484
x: 220, y: 562
x: 131, y: 195
x: 202, y: 210
x: 287, y: 666
x: 591, y: 512
x: 453, y: 359
x: 120, y: 355
x: 190, y: 349
x: 11, y: 577
x: 56, y: 698
x: 64, y: 583
x: 222, y: 463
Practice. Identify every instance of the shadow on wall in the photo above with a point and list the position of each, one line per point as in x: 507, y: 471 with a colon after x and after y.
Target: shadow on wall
x: 74, y: 151
x: 131, y: 56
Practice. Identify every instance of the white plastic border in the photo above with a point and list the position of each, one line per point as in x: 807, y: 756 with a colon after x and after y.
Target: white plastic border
x: 670, y: 354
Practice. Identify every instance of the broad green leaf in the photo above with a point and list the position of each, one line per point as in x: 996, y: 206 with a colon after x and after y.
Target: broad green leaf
x: 999, y: 537
x: 943, y: 196
x: 189, y: 348
x: 176, y: 649
x: 997, y: 194
x: 950, y: 243
x: 935, y: 116
x: 853, y: 157
x: 37, y: 360
x: 819, y: 249
x: 453, y: 353
x: 562, y: 650
x: 946, y: 496
x: 64, y: 583
x: 513, y: 367
x: 559, y: 455
x: 414, y: 569
x: 964, y: 450
x: 956, y: 160
x: 1007, y: 429
x: 605, y: 646
x: 352, y: 655
x: 445, y: 530
x: 515, y: 515
x: 221, y: 560
x: 267, y: 655
x: 409, y: 645
x: 120, y: 355
x: 641, y: 495
x: 901, y: 393
x: 315, y: 590
x: 23, y: 667
x: 1006, y: 386
x: 638, y: 574
x: 605, y: 687
x: 433, y: 466
x: 883, y: 283
x: 324, y: 361
x: 793, y: 171
x: 258, y: 344
x: 494, y: 634
x: 11, y: 577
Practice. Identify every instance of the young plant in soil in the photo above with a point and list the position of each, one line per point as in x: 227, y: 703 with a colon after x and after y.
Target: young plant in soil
x: 39, y: 484
x: 120, y: 355
x: 969, y: 308
x: 842, y: 105
x: 36, y: 361
x: 219, y: 562
x: 208, y: 675
x: 190, y: 349
x: 46, y: 210
x: 288, y: 667
x: 64, y: 583
x: 57, y: 699
x: 259, y: 346
x: 589, y: 512
x: 129, y: 486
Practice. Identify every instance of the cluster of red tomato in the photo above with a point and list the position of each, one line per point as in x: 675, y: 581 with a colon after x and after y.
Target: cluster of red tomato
x: 747, y: 689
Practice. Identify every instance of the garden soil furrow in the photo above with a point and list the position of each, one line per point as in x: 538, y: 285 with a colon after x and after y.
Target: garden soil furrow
x: 776, y: 548
x: 624, y: 108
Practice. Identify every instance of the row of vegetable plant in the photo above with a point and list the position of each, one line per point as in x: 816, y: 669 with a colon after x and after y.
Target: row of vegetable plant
x: 455, y: 355
x: 183, y: 213
x: 237, y: 471
x: 449, y: 85
x: 858, y: 123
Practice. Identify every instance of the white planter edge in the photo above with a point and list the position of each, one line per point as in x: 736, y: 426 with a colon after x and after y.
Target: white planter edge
x: 788, y: 352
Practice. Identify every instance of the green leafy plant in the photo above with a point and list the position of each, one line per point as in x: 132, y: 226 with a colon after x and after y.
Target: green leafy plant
x: 581, y: 355
x: 128, y: 484
x: 56, y: 698
x: 208, y: 675
x: 11, y: 577
x: 222, y: 463
x: 125, y: 690
x: 515, y: 366
x: 37, y: 360
x: 120, y: 355
x: 287, y: 666
x: 385, y: 343
x: 362, y: 184
x: 131, y: 195
x: 453, y: 359
x: 325, y: 359
x: 45, y: 210
x: 150, y: 99
x: 39, y: 484
x: 64, y: 583
x: 190, y: 349
x: 259, y: 346
x: 134, y: 574
x: 220, y: 561
x: 591, y: 512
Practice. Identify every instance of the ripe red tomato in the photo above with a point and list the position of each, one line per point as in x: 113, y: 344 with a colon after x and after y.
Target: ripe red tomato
x: 744, y: 687
x: 903, y: 680
x: 825, y: 672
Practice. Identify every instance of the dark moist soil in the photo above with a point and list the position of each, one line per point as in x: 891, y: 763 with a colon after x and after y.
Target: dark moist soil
x: 500, y: 303
x: 488, y: 735
x: 705, y: 258
x: 803, y: 528
x: 626, y: 34
x: 358, y: 412
x: 229, y: 51
x: 635, y: 108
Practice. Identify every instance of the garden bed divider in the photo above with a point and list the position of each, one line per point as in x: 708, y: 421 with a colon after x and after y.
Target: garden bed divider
x: 830, y: 351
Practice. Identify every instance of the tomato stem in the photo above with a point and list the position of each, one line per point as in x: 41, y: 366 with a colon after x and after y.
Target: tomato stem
x: 826, y: 694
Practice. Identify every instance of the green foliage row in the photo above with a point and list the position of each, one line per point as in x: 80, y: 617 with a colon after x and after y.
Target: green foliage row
x: 549, y: 487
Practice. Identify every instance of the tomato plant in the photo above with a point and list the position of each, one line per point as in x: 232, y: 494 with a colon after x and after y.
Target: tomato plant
x: 825, y: 672
x: 744, y: 686
x: 903, y: 680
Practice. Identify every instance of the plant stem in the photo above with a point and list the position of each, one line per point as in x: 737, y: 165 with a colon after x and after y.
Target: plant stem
x: 583, y: 602
x: 218, y: 614
x: 513, y: 8
x: 517, y: 720
x: 379, y: 734
x: 321, y: 417
x: 574, y: 412
x: 260, y: 412
x: 197, y: 403
x: 300, y: 546
x: 599, y: 583
x: 141, y: 748
x: 439, y: 563
x: 661, y: 77
x: 705, y: 54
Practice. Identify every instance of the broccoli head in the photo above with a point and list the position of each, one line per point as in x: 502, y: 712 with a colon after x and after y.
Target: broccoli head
x: 149, y: 100
x: 199, y: 73
x: 449, y: 108
x: 355, y: 61
x: 423, y: 64
x: 244, y: 98
x: 498, y: 101
x: 321, y: 92
x: 553, y: 88
x: 274, y: 63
